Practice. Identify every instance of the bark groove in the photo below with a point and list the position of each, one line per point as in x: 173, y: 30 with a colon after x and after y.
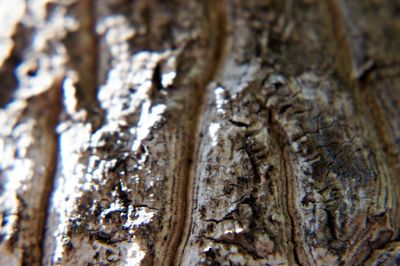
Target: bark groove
x: 189, y: 132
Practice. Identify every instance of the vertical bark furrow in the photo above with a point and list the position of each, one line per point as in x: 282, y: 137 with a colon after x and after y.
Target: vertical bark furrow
x: 352, y: 41
x: 333, y: 195
x: 215, y: 29
x: 28, y: 123
x: 154, y: 64
x: 376, y: 95
x: 24, y: 210
x: 237, y: 213
x: 336, y: 172
x: 82, y: 47
x: 187, y: 132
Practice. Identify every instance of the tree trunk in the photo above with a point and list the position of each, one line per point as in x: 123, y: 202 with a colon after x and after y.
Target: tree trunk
x: 189, y: 132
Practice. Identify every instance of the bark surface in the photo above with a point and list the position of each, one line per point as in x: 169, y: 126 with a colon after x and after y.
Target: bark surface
x: 191, y: 132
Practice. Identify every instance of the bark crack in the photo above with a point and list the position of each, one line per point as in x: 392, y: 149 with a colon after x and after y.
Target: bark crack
x: 56, y: 105
x: 238, y: 244
x: 83, y: 52
x: 351, y: 40
x: 291, y: 219
x: 216, y: 34
x: 249, y: 151
x: 350, y: 36
x: 282, y: 140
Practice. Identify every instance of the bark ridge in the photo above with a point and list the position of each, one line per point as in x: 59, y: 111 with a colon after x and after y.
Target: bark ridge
x: 199, y: 132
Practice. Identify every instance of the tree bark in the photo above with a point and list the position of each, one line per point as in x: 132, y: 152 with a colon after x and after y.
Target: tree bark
x: 191, y: 132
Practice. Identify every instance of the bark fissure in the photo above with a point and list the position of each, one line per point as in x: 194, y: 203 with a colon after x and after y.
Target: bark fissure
x: 351, y: 42
x: 216, y: 34
x: 83, y: 58
x: 289, y: 208
x: 192, y: 132
x: 369, y: 87
x: 52, y: 171
x: 365, y: 87
x: 352, y: 53
x: 283, y: 142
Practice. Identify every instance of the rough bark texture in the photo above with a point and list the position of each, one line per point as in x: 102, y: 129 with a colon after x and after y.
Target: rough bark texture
x: 189, y: 132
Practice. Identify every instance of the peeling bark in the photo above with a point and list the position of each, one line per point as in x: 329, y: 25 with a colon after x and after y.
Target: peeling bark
x: 199, y: 132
